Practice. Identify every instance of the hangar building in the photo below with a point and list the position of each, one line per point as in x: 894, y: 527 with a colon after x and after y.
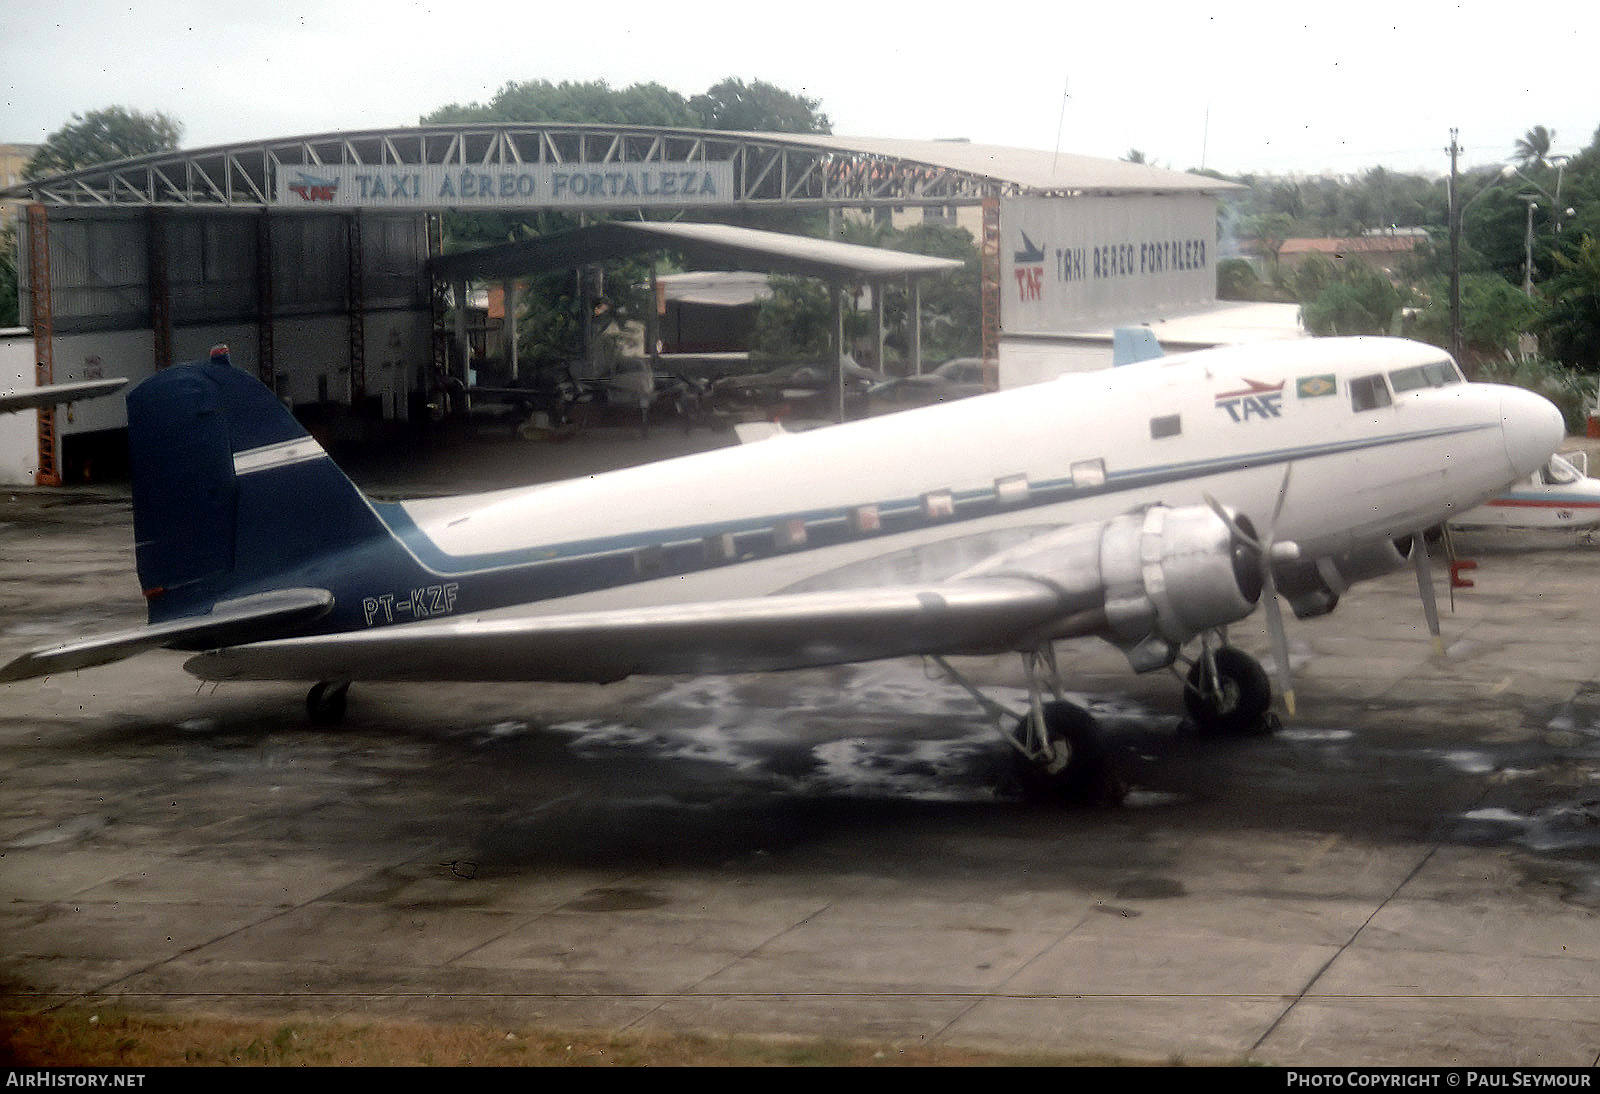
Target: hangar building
x: 319, y: 259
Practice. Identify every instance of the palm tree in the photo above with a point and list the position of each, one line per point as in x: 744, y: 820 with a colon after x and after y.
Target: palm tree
x: 1534, y: 146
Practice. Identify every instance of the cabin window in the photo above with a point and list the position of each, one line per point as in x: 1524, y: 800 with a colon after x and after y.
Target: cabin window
x: 649, y: 562
x: 1089, y: 473
x: 719, y: 548
x: 865, y: 519
x: 1433, y: 374
x: 790, y: 533
x: 1167, y: 425
x: 938, y: 505
x: 1369, y: 393
x: 1011, y: 490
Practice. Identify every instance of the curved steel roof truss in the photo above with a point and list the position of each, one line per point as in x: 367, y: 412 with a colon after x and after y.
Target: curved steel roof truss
x: 768, y: 169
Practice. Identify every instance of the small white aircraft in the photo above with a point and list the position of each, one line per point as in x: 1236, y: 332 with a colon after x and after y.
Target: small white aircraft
x: 1561, y: 495
x: 56, y: 394
x: 1116, y: 504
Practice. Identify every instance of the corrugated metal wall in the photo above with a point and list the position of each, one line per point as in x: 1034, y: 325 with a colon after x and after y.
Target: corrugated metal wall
x: 101, y: 266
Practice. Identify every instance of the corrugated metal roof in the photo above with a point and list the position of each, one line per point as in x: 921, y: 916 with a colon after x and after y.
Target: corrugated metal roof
x: 1031, y: 169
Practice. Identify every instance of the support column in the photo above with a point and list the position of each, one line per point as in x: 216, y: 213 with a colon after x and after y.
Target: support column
x: 155, y: 222
x: 914, y: 284
x: 266, y: 365
x: 463, y: 344
x: 836, y: 293
x: 510, y: 292
x: 41, y: 318
x: 358, y: 318
x: 877, y: 323
x: 990, y: 292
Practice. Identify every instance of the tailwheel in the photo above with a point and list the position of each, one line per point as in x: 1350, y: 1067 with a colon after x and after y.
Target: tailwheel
x: 1072, y: 767
x: 325, y: 703
x: 1228, y: 692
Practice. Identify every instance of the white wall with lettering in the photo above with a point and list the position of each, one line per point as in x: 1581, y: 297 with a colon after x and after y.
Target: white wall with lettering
x: 1074, y: 264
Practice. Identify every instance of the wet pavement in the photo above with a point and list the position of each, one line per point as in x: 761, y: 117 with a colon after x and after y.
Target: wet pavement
x: 1408, y: 873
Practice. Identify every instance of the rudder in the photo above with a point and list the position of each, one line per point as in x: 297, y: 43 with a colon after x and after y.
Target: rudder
x: 231, y: 496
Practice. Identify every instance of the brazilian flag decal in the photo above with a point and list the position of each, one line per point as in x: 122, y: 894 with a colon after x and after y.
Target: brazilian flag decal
x: 1311, y: 387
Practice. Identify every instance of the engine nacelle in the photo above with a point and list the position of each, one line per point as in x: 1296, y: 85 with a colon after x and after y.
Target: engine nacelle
x: 1314, y: 588
x: 1147, y: 581
x: 1171, y: 574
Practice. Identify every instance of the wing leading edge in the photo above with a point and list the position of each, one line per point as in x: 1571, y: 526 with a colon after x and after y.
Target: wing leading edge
x: 1146, y: 581
x: 748, y: 635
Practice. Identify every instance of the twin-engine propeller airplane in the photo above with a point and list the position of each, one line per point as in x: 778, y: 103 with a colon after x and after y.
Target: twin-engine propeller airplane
x: 1115, y: 504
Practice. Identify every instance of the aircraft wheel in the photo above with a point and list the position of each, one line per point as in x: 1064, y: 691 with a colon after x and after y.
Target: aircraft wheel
x: 1087, y: 778
x: 325, y: 703
x: 1239, y: 704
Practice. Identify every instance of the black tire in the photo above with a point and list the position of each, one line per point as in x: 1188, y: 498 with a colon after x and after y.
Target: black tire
x: 326, y: 702
x: 1087, y: 779
x: 1246, y: 695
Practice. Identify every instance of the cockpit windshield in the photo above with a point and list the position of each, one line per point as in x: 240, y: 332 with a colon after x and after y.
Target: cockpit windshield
x: 1433, y: 374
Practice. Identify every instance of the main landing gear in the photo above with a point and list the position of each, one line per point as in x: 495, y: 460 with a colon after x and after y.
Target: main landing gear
x: 1061, y: 755
x: 1227, y: 693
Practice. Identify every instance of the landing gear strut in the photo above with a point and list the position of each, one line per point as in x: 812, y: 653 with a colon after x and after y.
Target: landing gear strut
x: 1060, y: 756
x: 1228, y: 692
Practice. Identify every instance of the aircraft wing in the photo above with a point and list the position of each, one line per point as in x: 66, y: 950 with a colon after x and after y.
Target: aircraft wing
x: 750, y: 635
x: 55, y: 394
x: 228, y: 621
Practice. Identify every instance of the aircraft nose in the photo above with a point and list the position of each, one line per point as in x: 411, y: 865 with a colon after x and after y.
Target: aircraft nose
x: 1532, y: 427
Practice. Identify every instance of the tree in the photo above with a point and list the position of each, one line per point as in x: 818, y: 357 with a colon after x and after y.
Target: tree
x: 1236, y: 280
x: 1569, y: 322
x: 1533, y: 147
x: 1493, y: 314
x: 795, y: 321
x: 588, y: 102
x: 759, y: 108
x: 9, y: 304
x: 1348, y: 298
x: 103, y: 136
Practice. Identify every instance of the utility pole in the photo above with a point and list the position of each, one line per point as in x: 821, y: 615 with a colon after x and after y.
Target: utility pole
x: 1454, y: 152
x: 1527, y: 246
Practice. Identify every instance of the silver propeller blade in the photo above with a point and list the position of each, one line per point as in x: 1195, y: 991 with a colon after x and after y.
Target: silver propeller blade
x: 1430, y: 605
x: 1276, y: 631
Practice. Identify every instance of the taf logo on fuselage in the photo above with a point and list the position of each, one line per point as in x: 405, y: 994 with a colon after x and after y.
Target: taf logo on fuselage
x: 1259, y: 400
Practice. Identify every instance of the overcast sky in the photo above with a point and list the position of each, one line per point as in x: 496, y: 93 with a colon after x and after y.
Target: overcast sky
x: 1340, y: 86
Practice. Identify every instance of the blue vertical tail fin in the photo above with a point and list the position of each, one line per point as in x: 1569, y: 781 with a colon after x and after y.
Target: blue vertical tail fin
x: 231, y: 496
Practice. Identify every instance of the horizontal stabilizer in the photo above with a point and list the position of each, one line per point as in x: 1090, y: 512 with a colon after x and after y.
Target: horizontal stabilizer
x: 246, y: 619
x: 56, y: 394
x: 761, y: 634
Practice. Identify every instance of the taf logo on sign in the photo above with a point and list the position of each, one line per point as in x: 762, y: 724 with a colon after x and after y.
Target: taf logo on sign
x: 312, y: 188
x: 1258, y: 400
x: 1029, y: 269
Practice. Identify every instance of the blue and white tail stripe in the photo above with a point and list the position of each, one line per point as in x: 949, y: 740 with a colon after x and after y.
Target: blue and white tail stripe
x: 282, y: 454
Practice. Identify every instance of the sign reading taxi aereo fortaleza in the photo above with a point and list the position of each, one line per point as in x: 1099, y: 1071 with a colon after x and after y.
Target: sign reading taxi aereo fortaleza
x: 492, y: 186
